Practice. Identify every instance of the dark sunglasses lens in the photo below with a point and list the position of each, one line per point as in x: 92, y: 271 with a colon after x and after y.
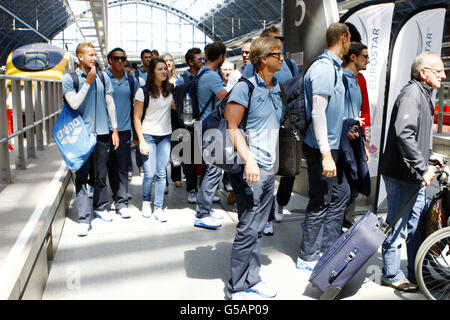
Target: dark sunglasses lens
x: 120, y: 58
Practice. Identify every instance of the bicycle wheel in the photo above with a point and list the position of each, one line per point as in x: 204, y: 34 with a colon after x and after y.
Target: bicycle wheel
x: 432, y: 265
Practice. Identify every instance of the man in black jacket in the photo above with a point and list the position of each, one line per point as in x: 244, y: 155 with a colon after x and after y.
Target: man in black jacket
x: 404, y: 165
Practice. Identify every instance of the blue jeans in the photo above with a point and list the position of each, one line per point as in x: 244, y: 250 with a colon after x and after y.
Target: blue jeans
x: 406, y: 228
x: 155, y: 168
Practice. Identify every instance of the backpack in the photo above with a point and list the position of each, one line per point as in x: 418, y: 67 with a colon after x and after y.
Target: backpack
x: 290, y: 65
x: 190, y: 86
x: 229, y: 160
x: 294, y: 97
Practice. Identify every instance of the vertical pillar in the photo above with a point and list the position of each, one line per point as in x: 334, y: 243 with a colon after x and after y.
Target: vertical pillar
x: 5, y: 171
x: 19, y: 151
x: 29, y: 120
x: 38, y: 114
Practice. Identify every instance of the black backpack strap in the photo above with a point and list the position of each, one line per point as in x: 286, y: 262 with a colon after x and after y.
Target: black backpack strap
x: 332, y: 63
x: 76, y: 82
x: 250, y: 93
x: 345, y: 81
x: 197, y: 77
x: 146, y: 101
x: 136, y: 73
x: 131, y: 84
x: 206, y: 106
x: 290, y: 65
x: 102, y: 78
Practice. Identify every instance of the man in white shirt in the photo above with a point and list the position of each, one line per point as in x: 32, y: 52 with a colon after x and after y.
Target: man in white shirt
x: 237, y: 73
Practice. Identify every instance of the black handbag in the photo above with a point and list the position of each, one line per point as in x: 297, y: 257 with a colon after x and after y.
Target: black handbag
x: 289, y: 152
x: 289, y: 142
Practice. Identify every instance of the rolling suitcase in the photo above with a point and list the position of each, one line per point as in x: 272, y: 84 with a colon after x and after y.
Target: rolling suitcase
x: 345, y: 257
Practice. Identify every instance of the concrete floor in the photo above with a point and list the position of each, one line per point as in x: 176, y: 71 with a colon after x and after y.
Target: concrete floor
x: 140, y: 258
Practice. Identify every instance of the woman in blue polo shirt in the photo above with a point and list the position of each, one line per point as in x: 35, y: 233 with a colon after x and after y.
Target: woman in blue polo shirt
x: 254, y: 187
x: 154, y: 131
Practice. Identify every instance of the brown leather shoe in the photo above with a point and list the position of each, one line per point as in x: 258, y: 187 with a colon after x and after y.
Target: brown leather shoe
x: 231, y: 197
x: 402, y: 285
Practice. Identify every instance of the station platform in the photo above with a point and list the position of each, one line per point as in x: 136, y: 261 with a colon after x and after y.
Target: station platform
x: 141, y: 258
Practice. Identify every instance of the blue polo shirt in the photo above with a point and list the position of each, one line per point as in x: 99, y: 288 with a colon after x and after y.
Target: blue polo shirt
x: 353, y: 98
x: 209, y: 83
x: 142, y: 73
x: 93, y: 109
x: 282, y: 76
x: 263, y: 123
x: 121, y: 95
x: 320, y: 79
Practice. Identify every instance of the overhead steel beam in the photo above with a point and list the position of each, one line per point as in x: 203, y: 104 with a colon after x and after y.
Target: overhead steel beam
x: 24, y: 23
x: 99, y: 10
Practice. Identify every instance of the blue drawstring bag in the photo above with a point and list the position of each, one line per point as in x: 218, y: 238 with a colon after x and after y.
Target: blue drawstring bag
x: 73, y: 138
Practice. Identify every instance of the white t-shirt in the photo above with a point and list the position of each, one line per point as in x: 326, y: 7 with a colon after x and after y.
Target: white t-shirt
x: 157, y: 119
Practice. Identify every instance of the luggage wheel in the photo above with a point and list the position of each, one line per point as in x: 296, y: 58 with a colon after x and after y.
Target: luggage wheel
x: 330, y: 293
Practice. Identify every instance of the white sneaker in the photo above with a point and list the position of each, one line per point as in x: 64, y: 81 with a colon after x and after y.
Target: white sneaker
x: 83, y: 229
x: 192, y: 198
x: 104, y: 215
x: 216, y: 199
x: 268, y: 229
x: 242, y: 295
x: 160, y: 215
x: 207, y: 222
x: 216, y: 215
x: 263, y: 289
x: 90, y: 191
x: 146, y: 209
x: 124, y: 213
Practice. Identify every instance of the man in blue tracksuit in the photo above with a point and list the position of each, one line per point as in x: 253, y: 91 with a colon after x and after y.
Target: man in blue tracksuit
x: 210, y: 90
x: 288, y: 70
x: 123, y: 96
x: 328, y: 188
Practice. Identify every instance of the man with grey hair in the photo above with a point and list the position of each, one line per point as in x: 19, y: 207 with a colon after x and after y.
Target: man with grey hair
x: 406, y: 166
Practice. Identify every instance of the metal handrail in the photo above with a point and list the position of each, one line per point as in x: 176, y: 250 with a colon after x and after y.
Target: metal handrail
x: 35, y: 104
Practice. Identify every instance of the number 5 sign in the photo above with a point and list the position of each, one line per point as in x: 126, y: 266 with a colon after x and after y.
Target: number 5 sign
x: 300, y: 4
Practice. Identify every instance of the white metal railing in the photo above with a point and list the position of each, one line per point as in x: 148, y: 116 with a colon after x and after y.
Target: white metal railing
x: 35, y: 105
x: 442, y: 99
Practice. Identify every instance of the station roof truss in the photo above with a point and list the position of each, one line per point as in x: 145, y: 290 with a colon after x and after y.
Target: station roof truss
x: 230, y: 21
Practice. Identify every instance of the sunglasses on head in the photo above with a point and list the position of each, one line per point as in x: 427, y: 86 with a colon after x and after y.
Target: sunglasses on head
x: 116, y: 59
x: 281, y: 38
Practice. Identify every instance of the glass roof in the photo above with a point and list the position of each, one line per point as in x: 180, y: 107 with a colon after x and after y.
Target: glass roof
x: 194, y: 8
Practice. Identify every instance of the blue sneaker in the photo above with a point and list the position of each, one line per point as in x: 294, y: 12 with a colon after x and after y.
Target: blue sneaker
x: 207, y: 222
x: 216, y: 199
x: 305, y: 265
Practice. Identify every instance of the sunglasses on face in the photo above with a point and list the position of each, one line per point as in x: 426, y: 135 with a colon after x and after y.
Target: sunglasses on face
x: 366, y: 56
x: 245, y: 52
x: 201, y: 59
x: 281, y: 38
x: 275, y: 54
x: 116, y: 59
